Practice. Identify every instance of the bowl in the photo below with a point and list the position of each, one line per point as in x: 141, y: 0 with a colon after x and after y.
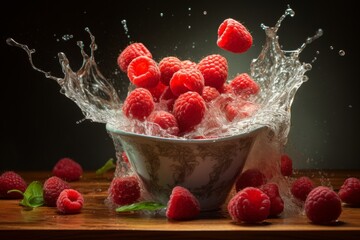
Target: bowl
x: 208, y: 168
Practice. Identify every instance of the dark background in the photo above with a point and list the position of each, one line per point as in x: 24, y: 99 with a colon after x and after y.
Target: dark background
x: 39, y: 124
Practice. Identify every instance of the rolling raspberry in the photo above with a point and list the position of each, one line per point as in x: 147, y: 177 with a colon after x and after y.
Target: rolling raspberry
x: 70, y: 201
x: 186, y: 80
x: 168, y: 66
x: 276, y: 202
x: 286, y: 165
x: 210, y: 93
x: 131, y: 52
x: 11, y: 180
x: 249, y: 205
x: 189, y: 110
x: 251, y: 177
x: 182, y: 205
x: 166, y: 121
x: 323, y: 205
x: 67, y: 169
x: 244, y: 86
x: 52, y: 188
x: 349, y: 192
x: 233, y: 36
x: 124, y: 190
x: 301, y: 187
x: 214, y: 68
x: 138, y: 104
x: 188, y: 64
x: 144, y: 72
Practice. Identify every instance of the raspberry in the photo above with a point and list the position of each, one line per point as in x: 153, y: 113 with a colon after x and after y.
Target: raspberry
x: 52, y: 188
x: 323, y: 205
x: 214, y: 68
x: 182, y: 205
x: 157, y: 91
x: 138, y: 104
x: 210, y: 93
x: 233, y: 36
x: 168, y: 98
x: 252, y: 177
x: 189, y: 110
x: 131, y: 52
x: 165, y: 120
x: 70, y: 201
x: 168, y: 66
x: 225, y: 88
x: 249, y: 205
x: 350, y: 191
x: 124, y: 190
x: 239, y: 109
x: 11, y: 180
x: 276, y: 202
x: 187, y: 64
x: 286, y: 165
x: 67, y: 169
x: 244, y: 85
x: 187, y: 80
x: 144, y: 72
x: 301, y: 187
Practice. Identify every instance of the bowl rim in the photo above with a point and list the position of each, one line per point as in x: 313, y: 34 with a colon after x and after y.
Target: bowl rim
x: 110, y: 128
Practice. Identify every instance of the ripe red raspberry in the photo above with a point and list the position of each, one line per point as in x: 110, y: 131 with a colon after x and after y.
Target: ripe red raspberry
x: 52, y: 188
x: 277, y: 203
x: 301, y: 187
x: 131, y: 52
x: 144, y: 72
x: 233, y: 36
x: 249, y: 205
x: 349, y: 192
x: 251, y: 177
x: 167, y: 99
x: 244, y: 86
x: 138, y: 104
x: 214, y: 68
x: 187, y: 64
x: 323, y: 205
x: 182, y: 205
x: 187, y: 80
x: 286, y: 165
x: 124, y: 190
x: 240, y: 110
x: 189, y: 110
x: 210, y: 93
x: 70, y: 201
x: 11, y: 180
x: 67, y: 169
x: 157, y: 91
x: 168, y: 66
x: 165, y: 120
x: 225, y: 88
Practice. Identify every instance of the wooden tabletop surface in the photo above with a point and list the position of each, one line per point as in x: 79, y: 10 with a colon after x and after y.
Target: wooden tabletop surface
x: 98, y: 221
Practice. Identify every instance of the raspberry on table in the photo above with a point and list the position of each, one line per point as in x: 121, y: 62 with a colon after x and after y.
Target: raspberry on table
x: 138, y: 104
x: 189, y: 110
x: 276, y: 202
x: 70, y: 201
x: 11, y: 180
x: 52, y: 188
x: 168, y: 66
x: 186, y: 80
x: 323, y: 205
x: 67, y: 169
x: 301, y: 187
x: 244, y: 86
x: 210, y: 93
x: 233, y: 36
x: 124, y: 190
x: 182, y: 205
x: 249, y: 205
x: 349, y: 191
x: 214, y: 68
x: 131, y: 52
x: 286, y: 165
x: 165, y: 120
x: 251, y: 177
x: 144, y: 72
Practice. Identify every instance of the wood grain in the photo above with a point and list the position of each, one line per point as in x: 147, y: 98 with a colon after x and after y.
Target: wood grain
x: 98, y: 221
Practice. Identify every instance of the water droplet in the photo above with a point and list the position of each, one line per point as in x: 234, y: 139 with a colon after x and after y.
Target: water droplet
x: 205, y: 12
x: 189, y: 8
x: 67, y: 37
x: 189, y: 27
x: 263, y: 26
x: 161, y: 14
x: 193, y: 45
x: 350, y: 106
x: 331, y: 48
x: 317, y: 52
x: 189, y: 14
x: 123, y: 22
x: 314, y: 59
x: 305, y: 78
x: 342, y: 53
x: 308, y: 66
x: 290, y: 12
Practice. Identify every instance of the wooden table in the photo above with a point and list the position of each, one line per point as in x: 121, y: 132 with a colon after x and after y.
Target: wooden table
x: 97, y: 221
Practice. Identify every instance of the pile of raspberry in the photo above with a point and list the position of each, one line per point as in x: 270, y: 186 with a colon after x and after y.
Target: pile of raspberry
x: 176, y: 95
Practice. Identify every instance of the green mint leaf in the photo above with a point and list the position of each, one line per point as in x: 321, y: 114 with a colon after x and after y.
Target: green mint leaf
x: 150, y: 206
x: 107, y: 166
x: 33, y: 195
